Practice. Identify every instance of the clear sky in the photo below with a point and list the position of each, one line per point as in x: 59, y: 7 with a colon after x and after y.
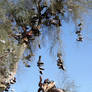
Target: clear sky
x: 77, y: 57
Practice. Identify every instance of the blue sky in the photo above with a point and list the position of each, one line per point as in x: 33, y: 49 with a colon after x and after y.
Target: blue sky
x: 78, y: 56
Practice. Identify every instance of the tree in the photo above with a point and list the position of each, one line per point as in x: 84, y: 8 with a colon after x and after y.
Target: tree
x: 18, y: 17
